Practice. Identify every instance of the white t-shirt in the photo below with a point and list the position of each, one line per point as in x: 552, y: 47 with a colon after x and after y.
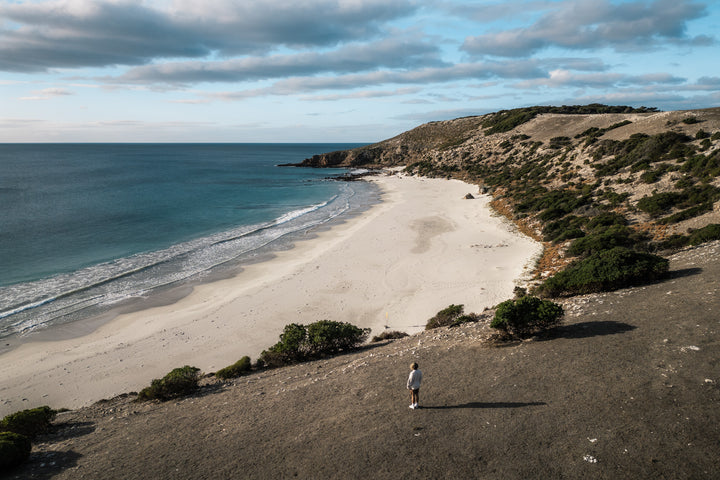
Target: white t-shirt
x: 414, y: 380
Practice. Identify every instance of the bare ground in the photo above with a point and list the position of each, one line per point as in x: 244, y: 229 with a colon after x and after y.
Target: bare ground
x: 628, y: 387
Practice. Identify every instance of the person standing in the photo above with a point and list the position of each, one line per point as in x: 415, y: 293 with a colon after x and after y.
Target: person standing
x: 413, y: 384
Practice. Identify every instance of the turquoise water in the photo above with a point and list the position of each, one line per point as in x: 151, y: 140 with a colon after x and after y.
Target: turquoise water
x: 85, y: 226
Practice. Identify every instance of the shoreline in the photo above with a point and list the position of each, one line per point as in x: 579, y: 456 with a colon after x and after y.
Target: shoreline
x: 169, y: 294
x: 392, y: 266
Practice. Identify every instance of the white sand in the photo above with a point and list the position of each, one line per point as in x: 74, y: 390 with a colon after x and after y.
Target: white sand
x: 423, y: 248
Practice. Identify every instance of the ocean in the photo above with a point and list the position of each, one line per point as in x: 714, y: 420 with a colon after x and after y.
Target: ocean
x: 85, y: 227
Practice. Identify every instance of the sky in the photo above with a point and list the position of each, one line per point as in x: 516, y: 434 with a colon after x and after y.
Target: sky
x: 336, y: 70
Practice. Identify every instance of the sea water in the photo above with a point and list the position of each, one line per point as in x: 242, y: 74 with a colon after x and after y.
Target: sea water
x: 84, y: 227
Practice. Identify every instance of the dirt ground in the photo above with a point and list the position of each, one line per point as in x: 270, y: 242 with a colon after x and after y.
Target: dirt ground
x: 627, y: 387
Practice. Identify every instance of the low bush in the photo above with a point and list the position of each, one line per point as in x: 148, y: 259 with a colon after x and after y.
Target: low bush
x: 30, y: 423
x: 235, y: 370
x: 605, y: 271
x: 673, y: 242
x: 559, y: 142
x: 606, y: 219
x: 526, y: 316
x: 615, y: 236
x: 291, y: 347
x: 696, y: 237
x: 389, y: 335
x: 298, y: 342
x: 564, y: 229
x: 659, y: 203
x: 694, y: 198
x: 326, y: 336
x: 468, y: 318
x: 691, y: 212
x: 706, y: 234
x: 640, y: 150
x: 445, y: 317
x: 14, y: 450
x: 178, y: 383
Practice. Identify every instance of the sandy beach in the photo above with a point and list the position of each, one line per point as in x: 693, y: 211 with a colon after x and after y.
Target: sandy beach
x: 421, y: 249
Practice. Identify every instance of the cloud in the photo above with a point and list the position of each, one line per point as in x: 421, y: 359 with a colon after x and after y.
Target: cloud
x: 565, y: 78
x: 21, y: 123
x: 48, y: 93
x: 490, y: 12
x: 709, y: 82
x: 364, y: 94
x: 55, y: 92
x: 396, y: 53
x: 90, y: 33
x: 422, y: 76
x: 591, y: 24
x: 528, y: 69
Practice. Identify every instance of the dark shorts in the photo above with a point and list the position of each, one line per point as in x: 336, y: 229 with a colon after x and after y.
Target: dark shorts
x: 415, y: 390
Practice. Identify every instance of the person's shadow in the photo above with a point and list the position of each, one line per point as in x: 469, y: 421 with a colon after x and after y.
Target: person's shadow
x: 486, y: 405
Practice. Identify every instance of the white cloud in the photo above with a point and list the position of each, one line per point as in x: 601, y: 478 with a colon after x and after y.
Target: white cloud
x: 97, y: 33
x: 591, y: 24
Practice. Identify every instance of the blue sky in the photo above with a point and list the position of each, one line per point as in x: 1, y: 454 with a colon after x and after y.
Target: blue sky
x: 336, y: 70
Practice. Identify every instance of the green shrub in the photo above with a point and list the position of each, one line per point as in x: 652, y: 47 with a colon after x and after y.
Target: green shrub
x: 272, y: 359
x: 298, y: 343
x: 14, y: 450
x: 696, y: 237
x: 614, y: 236
x: 615, y: 198
x: 293, y: 342
x: 179, y: 382
x: 326, y: 336
x: 30, y: 423
x: 706, y: 234
x: 445, y: 317
x: 640, y: 150
x: 691, y: 212
x: 564, y: 229
x: 606, y: 219
x: 525, y: 316
x: 697, y: 199
x: 559, y: 142
x: 659, y: 203
x: 468, y: 318
x: 389, y: 335
x: 653, y: 175
x: 605, y: 271
x: 702, y: 166
x: 674, y: 242
x: 235, y: 370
